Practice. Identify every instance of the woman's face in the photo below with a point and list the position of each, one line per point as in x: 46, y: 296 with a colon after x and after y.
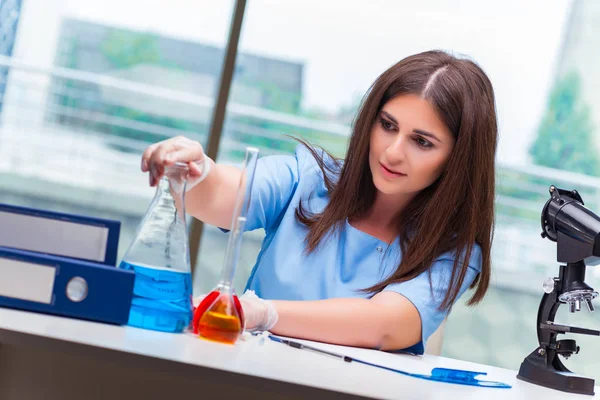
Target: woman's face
x: 410, y: 146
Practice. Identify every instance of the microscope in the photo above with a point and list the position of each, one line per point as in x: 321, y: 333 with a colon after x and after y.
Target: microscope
x: 576, y: 231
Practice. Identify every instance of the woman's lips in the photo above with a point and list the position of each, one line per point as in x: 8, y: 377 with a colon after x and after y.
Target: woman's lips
x: 390, y: 172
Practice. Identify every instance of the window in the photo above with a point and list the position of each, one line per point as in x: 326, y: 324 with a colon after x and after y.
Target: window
x: 94, y: 83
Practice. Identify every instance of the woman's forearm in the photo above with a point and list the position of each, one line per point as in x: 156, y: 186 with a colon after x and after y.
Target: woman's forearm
x: 212, y: 200
x: 388, y: 321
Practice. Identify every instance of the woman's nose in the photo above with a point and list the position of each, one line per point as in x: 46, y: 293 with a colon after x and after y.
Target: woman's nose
x: 396, y: 151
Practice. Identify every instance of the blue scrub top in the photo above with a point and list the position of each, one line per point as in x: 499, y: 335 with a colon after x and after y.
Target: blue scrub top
x: 343, y: 264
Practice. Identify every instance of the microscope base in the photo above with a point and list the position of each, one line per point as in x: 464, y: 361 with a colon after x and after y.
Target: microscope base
x: 534, y: 369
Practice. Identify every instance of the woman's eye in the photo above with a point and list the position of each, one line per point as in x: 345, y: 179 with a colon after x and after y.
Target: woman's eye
x: 386, y: 125
x: 423, y: 143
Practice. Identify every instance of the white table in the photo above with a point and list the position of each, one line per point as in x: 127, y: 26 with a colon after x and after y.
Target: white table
x: 47, y: 357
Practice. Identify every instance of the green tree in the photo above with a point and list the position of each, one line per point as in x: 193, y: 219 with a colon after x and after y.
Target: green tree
x: 566, y: 136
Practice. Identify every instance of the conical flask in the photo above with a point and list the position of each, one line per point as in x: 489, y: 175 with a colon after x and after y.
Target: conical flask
x: 159, y: 255
x: 219, y: 317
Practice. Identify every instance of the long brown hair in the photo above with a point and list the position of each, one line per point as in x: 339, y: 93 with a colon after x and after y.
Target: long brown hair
x: 455, y: 212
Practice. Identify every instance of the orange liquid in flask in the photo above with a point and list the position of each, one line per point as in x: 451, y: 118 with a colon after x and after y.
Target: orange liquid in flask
x: 207, y: 302
x: 221, y: 322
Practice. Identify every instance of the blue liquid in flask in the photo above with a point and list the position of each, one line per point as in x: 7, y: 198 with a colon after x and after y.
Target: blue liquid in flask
x: 159, y: 256
x: 162, y: 298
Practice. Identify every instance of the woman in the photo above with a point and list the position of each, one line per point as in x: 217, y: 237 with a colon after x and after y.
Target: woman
x: 372, y: 251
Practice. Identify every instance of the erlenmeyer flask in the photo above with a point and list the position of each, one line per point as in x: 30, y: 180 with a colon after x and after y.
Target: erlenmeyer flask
x: 159, y: 255
x: 219, y: 316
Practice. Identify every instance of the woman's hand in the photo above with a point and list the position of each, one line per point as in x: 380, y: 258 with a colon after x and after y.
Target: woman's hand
x: 211, y: 189
x: 260, y: 315
x: 170, y: 151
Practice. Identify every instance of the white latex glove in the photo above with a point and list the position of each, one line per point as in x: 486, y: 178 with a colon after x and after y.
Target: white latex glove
x: 259, y: 314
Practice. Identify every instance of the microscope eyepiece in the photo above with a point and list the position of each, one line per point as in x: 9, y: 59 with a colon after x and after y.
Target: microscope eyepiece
x: 574, y: 227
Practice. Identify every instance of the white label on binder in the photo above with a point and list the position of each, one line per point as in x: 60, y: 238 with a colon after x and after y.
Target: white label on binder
x: 53, y: 236
x: 26, y: 281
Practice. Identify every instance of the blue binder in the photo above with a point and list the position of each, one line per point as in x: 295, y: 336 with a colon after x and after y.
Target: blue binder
x: 60, y: 234
x: 64, y: 286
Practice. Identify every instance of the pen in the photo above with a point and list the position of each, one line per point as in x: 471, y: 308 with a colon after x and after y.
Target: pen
x: 298, y: 345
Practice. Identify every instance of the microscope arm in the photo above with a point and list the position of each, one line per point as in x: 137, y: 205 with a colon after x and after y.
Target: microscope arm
x: 546, y: 313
